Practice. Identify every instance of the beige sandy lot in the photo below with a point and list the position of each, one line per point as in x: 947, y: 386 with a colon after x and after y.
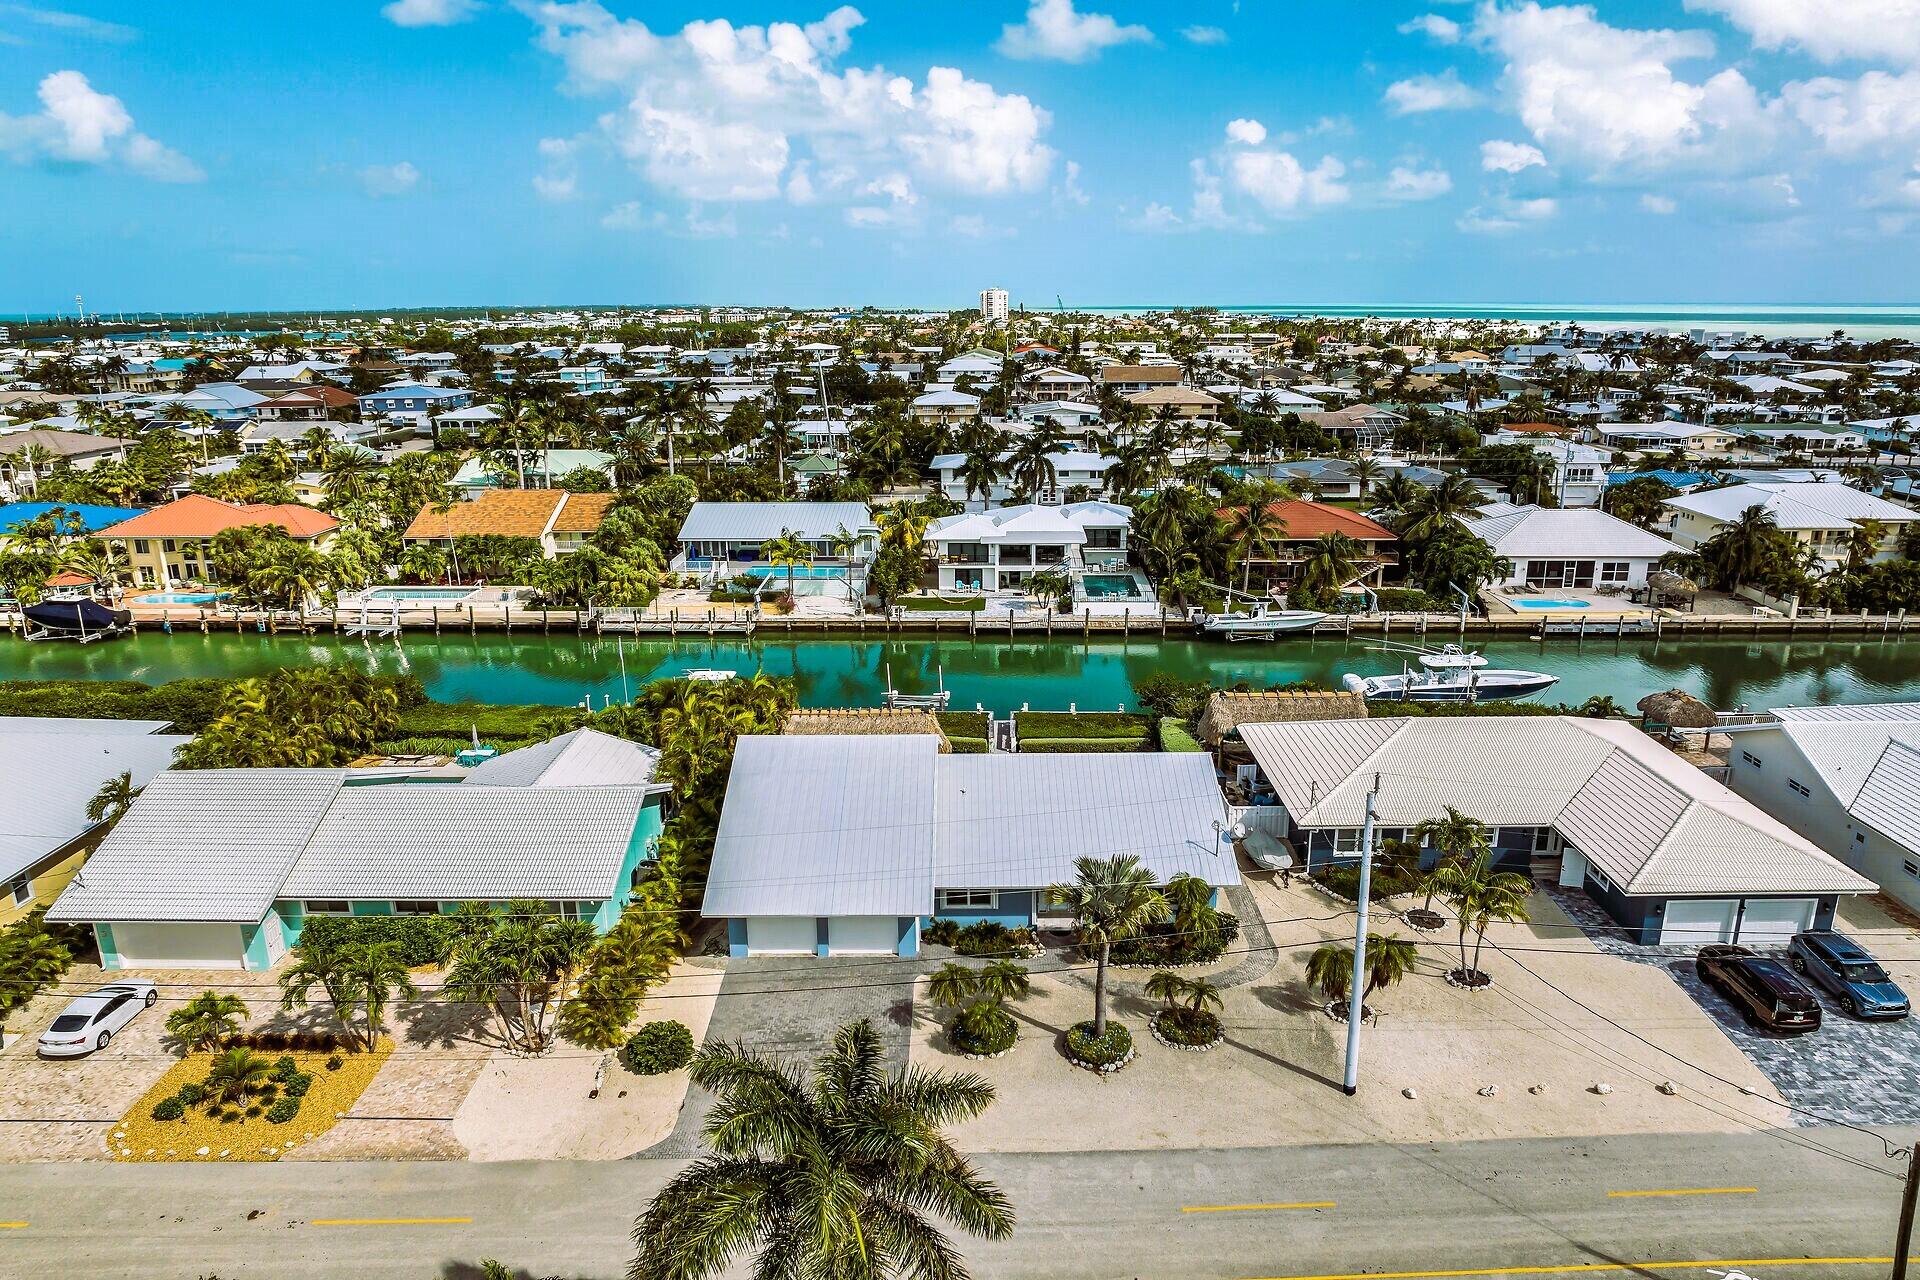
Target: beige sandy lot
x: 538, y: 1109
x: 1276, y: 1079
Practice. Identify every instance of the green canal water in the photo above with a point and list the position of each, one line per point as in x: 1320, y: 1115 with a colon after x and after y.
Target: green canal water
x: 1000, y: 675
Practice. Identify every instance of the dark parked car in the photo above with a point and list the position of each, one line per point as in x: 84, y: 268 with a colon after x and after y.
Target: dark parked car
x: 1764, y: 990
x: 1843, y: 967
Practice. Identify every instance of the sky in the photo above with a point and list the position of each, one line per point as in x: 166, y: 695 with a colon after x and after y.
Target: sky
x: 212, y: 156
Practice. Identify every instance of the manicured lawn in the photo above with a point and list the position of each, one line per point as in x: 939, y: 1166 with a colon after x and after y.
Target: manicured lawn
x: 939, y: 604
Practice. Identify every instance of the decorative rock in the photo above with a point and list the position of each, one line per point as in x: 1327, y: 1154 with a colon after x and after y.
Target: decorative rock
x: 1489, y: 1090
x: 169, y: 1150
x: 225, y: 1152
x: 1185, y: 1048
x: 149, y: 1150
x: 1602, y: 1088
x: 204, y: 1151
x: 1667, y: 1087
x: 1408, y: 1092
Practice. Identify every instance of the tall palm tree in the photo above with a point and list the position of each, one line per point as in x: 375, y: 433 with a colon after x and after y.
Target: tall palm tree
x: 1745, y: 547
x: 1030, y: 466
x: 1255, y: 531
x: 1456, y: 838
x: 111, y: 802
x: 1365, y: 471
x: 1863, y: 542
x: 1330, y: 564
x: 1111, y: 899
x: 788, y: 551
x: 831, y: 1175
x: 1480, y: 895
x: 376, y: 973
x: 1434, y: 506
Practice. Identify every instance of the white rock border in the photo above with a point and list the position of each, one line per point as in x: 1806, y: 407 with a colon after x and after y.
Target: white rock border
x: 1467, y: 987
x: 1154, y: 1027
x: 1133, y: 1050
x: 1367, y: 1016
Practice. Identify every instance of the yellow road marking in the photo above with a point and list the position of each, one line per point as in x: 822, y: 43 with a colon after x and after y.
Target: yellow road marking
x: 1684, y: 1191
x: 1251, y: 1208
x: 12, y: 1226
x: 1571, y: 1268
x: 389, y: 1222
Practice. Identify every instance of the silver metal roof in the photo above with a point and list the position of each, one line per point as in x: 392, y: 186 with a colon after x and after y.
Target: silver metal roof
x: 48, y: 776
x: 583, y: 758
x: 206, y: 844
x: 1889, y: 801
x: 762, y: 521
x: 825, y: 826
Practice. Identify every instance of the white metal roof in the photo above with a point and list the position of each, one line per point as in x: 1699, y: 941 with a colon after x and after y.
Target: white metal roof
x: 1868, y: 756
x: 1569, y: 532
x: 1652, y: 822
x: 77, y: 724
x: 1889, y: 799
x: 761, y: 521
x: 582, y: 758
x: 49, y: 775
x: 1815, y: 505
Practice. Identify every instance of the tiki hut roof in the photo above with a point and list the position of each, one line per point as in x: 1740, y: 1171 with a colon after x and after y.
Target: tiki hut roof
x: 1677, y: 709
x: 1670, y: 583
x: 866, y: 721
x: 1226, y: 712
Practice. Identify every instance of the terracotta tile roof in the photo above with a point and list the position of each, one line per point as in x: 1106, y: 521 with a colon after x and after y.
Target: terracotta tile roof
x: 1311, y: 519
x: 513, y: 513
x: 584, y: 512
x: 198, y: 516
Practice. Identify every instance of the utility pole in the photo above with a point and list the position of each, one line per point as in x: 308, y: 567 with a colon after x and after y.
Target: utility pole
x: 1903, y: 1239
x: 1352, y: 1084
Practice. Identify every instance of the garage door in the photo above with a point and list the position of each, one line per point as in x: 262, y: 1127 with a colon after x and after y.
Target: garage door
x: 1772, y: 922
x: 1690, y: 921
x: 179, y: 946
x: 863, y: 935
x: 780, y: 935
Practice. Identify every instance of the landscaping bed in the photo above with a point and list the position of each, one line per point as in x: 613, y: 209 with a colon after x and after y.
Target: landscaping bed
x: 966, y: 730
x: 332, y: 1093
x: 941, y: 604
x: 1105, y: 1054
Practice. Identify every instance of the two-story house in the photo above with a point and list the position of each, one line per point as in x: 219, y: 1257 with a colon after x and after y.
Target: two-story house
x: 999, y: 550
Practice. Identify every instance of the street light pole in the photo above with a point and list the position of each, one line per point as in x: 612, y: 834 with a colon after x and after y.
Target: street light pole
x: 1903, y: 1239
x: 1354, y: 1007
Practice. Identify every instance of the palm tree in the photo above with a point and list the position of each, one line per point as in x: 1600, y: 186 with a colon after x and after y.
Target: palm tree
x: 1480, y: 895
x: 1111, y: 899
x: 111, y: 802
x: 236, y: 1073
x: 207, y: 1019
x: 841, y: 544
x: 1389, y: 959
x: 1745, y: 547
x: 1195, y: 995
x: 377, y: 974
x: 1256, y: 531
x: 1863, y: 542
x: 327, y: 970
x: 1330, y: 563
x: 1456, y: 838
x: 1196, y: 921
x: 1434, y: 506
x: 1365, y: 471
x: 829, y: 1175
x: 1030, y: 466
x: 788, y: 551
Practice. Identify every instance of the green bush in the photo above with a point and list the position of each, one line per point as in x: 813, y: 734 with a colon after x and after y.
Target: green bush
x: 963, y: 724
x: 168, y: 1109
x: 968, y: 746
x: 422, y: 939
x: 283, y: 1111
x: 448, y: 746
x: 657, y: 1048
x: 1188, y: 1026
x: 1103, y: 1052
x: 1081, y: 725
x: 192, y: 1094
x: 989, y: 938
x: 1174, y: 736
x: 298, y: 1083
x: 941, y: 932
x: 1070, y: 746
x: 1163, y: 944
x: 335, y: 1062
x: 984, y: 1028
x: 283, y: 1069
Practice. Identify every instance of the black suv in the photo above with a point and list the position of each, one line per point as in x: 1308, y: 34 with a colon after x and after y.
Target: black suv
x: 1764, y: 990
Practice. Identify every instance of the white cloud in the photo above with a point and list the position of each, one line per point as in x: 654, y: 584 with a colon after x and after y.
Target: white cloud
x: 1279, y: 183
x: 1249, y: 132
x: 1203, y: 35
x: 561, y: 179
x: 386, y: 180
x: 73, y: 24
x: 1870, y: 29
x: 1054, y: 31
x: 1534, y: 210
x: 704, y: 228
x: 1500, y: 156
x: 1156, y: 217
x: 1069, y: 191
x: 631, y: 216
x: 719, y: 112
x: 971, y: 226
x: 1506, y: 216
x: 429, y: 13
x: 77, y: 124
x: 1853, y: 115
x: 1405, y: 183
x: 1431, y: 25
x: 1416, y: 94
x: 1654, y: 203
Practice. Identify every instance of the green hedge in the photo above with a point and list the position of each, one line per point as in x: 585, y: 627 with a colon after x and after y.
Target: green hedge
x: 1174, y: 736
x: 937, y: 604
x: 422, y: 939
x: 189, y: 705
x: 968, y: 746
x: 1065, y: 746
x: 657, y: 1048
x: 1081, y: 725
x: 963, y: 724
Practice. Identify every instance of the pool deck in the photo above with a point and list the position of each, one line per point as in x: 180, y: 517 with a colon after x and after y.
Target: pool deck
x: 1593, y: 605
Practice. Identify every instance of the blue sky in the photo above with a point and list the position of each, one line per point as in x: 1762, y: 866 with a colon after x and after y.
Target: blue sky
x: 468, y: 152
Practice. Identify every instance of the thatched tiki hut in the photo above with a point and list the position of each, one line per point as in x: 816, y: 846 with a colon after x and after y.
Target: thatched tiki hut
x: 867, y: 720
x: 1676, y: 710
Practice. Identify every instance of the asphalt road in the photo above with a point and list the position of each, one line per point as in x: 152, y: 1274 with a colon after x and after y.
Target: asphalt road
x: 1758, y: 1205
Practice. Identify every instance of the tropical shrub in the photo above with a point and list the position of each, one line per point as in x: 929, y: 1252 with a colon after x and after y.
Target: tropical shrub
x: 282, y: 1111
x: 335, y: 1062
x: 941, y: 932
x: 1164, y: 942
x: 206, y: 1020
x: 33, y: 955
x: 657, y: 1048
x: 1084, y: 1046
x: 1191, y: 1027
x: 284, y: 1069
x: 298, y: 1084
x: 423, y: 940
x: 168, y: 1109
x: 312, y: 716
x: 984, y: 1029
x: 991, y: 938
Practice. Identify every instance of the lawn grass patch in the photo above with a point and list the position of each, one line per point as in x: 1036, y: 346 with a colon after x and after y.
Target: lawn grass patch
x: 941, y: 604
x: 509, y: 722
x: 1067, y: 746
x: 1082, y: 724
x: 963, y: 724
x: 249, y: 1138
x: 1174, y: 736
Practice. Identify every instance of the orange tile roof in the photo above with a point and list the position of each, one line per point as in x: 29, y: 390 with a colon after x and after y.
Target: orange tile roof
x: 512, y: 513
x: 1311, y: 519
x: 584, y: 512
x: 198, y: 516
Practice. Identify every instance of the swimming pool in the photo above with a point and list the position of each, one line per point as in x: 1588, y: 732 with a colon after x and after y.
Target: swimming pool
x: 181, y: 597
x: 1111, y: 586
x: 1548, y: 604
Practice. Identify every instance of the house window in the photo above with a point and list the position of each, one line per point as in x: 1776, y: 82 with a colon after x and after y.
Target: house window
x: 416, y: 908
x: 1600, y: 877
x: 1346, y: 840
x: 1750, y: 758
x: 967, y: 900
x: 140, y: 546
x: 20, y: 889
x: 1798, y: 788
x: 1911, y: 867
x: 328, y: 907
x: 1613, y: 572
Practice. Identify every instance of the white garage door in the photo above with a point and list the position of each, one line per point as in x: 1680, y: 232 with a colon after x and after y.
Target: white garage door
x: 1772, y: 922
x: 179, y: 946
x: 863, y: 935
x: 780, y: 935
x: 1690, y: 921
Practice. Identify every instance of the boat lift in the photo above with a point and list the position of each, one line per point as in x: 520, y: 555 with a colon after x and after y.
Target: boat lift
x: 927, y: 701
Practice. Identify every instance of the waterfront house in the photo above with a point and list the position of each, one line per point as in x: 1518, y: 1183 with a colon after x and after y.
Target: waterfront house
x: 1670, y: 854
x: 1822, y: 515
x: 999, y: 550
x: 560, y: 521
x: 51, y: 768
x: 1577, y: 475
x: 839, y: 845
x: 173, y: 544
x: 1558, y: 548
x: 720, y: 534
x: 1278, y: 567
x: 413, y: 402
x: 1071, y: 470
x: 76, y: 449
x: 220, y: 868
x: 1847, y: 778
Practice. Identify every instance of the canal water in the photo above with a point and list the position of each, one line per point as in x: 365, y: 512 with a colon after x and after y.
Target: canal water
x: 1001, y: 675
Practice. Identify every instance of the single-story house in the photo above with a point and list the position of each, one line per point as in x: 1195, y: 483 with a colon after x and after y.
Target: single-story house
x: 1185, y: 402
x: 734, y: 532
x: 414, y: 400
x: 220, y: 868
x: 1847, y: 778
x: 51, y: 768
x: 1673, y: 856
x: 1567, y: 546
x: 1356, y: 425
x: 174, y: 543
x: 560, y: 520
x: 837, y: 845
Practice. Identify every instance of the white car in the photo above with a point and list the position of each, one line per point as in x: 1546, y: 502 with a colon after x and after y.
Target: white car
x: 92, y: 1020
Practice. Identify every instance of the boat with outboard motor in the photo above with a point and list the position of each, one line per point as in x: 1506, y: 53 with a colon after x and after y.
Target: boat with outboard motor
x: 75, y: 616
x: 1449, y: 673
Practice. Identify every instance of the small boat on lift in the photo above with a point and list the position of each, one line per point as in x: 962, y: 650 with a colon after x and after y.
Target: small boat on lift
x: 75, y: 616
x: 1259, y: 618
x: 1448, y: 674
